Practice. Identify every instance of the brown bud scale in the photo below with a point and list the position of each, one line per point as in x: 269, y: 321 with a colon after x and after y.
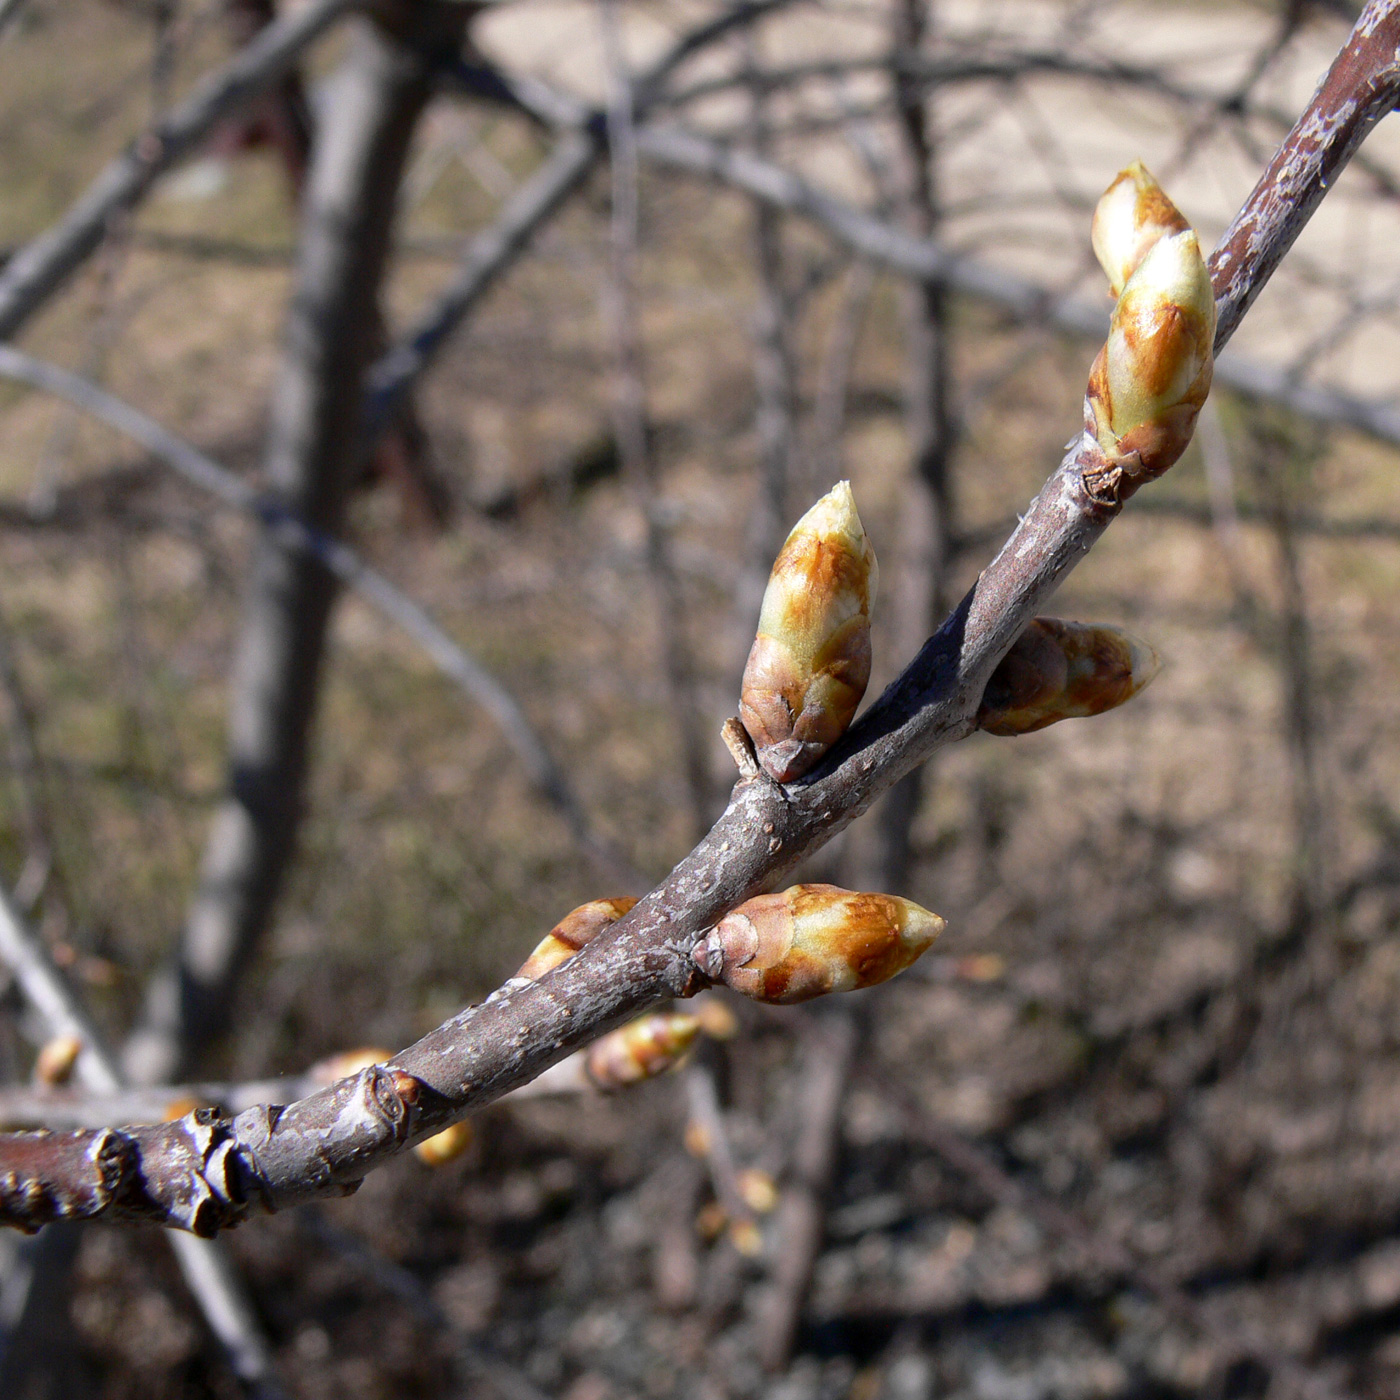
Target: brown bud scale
x: 1063, y: 670
x: 813, y: 939
x: 577, y: 928
x: 810, y: 662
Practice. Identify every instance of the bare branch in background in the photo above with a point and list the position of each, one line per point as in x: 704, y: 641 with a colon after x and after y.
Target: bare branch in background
x: 827, y: 1057
x: 928, y: 261
x: 293, y: 533
x: 313, y: 454
x: 34, y: 273
x: 632, y: 428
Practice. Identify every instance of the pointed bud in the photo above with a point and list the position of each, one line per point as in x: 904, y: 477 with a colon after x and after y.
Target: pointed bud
x: 1154, y: 371
x: 642, y: 1049
x: 57, y: 1059
x: 1064, y: 670
x: 814, y: 939
x: 810, y: 662
x: 445, y: 1146
x: 576, y: 928
x: 1133, y: 214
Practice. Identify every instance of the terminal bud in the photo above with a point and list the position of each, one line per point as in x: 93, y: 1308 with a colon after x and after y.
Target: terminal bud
x: 1133, y: 214
x: 1064, y: 670
x: 1153, y: 374
x: 810, y: 661
x: 814, y: 939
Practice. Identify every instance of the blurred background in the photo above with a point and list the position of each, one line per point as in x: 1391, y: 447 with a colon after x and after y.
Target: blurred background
x: 1133, y: 1127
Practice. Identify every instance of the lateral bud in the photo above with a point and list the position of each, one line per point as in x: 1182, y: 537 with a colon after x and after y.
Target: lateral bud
x: 576, y: 928
x: 1132, y: 216
x: 446, y: 1146
x: 814, y: 939
x: 57, y: 1059
x: 642, y: 1049
x: 1064, y: 670
x: 810, y: 662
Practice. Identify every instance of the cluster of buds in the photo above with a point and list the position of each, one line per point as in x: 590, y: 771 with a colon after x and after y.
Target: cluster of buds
x: 1063, y: 670
x: 810, y: 661
x: 814, y: 939
x: 1152, y: 375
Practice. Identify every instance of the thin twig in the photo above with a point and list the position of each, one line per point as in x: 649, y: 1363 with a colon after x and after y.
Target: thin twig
x: 291, y: 532
x: 38, y: 269
x: 929, y: 261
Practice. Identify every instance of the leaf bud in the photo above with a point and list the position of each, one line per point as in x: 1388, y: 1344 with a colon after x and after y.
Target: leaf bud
x: 576, y: 928
x: 642, y: 1049
x: 814, y: 939
x: 57, y: 1059
x: 1132, y: 215
x: 757, y: 1190
x: 1064, y: 670
x: 810, y: 662
x: 445, y: 1146
x: 1154, y: 371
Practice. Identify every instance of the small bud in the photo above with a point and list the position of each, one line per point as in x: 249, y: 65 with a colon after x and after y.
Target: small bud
x: 576, y: 928
x: 757, y: 1189
x: 814, y: 939
x: 179, y: 1108
x: 642, y: 1049
x: 57, y: 1059
x: 981, y: 967
x: 445, y: 1146
x: 1132, y: 215
x: 810, y: 662
x: 696, y: 1138
x: 1154, y: 371
x: 746, y: 1237
x: 711, y: 1221
x: 716, y: 1019
x: 1064, y: 670
x: 348, y: 1062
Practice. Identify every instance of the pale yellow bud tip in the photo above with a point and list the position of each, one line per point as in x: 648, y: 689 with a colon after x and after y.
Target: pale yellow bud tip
x: 445, y: 1146
x: 1131, y: 217
x: 58, y: 1059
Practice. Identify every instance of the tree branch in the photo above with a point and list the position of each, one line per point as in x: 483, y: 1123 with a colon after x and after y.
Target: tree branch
x: 38, y: 269
x: 207, y: 1171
